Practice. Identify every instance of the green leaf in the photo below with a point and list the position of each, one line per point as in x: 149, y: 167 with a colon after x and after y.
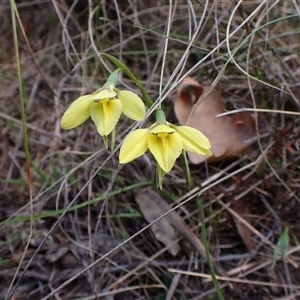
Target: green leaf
x: 282, y: 246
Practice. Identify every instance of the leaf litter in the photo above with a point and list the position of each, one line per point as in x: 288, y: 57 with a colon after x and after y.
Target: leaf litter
x: 197, y: 106
x: 162, y: 229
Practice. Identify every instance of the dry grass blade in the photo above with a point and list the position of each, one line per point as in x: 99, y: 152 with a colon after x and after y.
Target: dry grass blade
x: 183, y: 228
x: 237, y: 280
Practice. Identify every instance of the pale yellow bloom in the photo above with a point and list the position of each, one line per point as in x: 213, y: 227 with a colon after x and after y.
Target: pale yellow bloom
x: 104, y: 107
x: 166, y: 142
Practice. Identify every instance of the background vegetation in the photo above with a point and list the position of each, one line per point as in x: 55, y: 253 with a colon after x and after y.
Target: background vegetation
x: 250, y: 50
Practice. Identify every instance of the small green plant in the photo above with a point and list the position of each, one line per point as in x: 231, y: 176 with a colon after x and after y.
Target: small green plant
x: 282, y: 246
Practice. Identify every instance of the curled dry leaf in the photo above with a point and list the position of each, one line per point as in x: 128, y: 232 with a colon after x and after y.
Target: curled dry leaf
x: 197, y: 106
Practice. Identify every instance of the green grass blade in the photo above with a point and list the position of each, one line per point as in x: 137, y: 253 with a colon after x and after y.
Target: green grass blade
x: 186, y: 170
x: 205, y: 243
x: 56, y: 213
x: 14, y: 15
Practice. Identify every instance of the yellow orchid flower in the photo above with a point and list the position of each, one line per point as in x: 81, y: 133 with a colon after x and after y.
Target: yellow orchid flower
x: 104, y: 107
x: 165, y: 141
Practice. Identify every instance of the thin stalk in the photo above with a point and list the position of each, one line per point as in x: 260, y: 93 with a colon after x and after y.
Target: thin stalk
x: 205, y: 243
x: 13, y: 9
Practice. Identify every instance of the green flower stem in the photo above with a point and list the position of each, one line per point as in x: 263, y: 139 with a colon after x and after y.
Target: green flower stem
x: 122, y: 67
x: 160, y: 117
x: 112, y: 79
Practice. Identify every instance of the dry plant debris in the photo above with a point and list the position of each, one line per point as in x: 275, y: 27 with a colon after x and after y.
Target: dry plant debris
x: 242, y: 208
x: 65, y: 39
x: 162, y: 230
x: 197, y: 106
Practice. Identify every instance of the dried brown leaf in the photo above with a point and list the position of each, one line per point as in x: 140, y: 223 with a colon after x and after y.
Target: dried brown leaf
x: 197, y: 106
x: 162, y: 230
x: 242, y: 208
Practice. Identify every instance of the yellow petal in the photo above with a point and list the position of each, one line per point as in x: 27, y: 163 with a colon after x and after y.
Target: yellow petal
x: 132, y: 105
x: 77, y: 113
x: 162, y: 128
x: 193, y: 140
x: 135, y: 144
x: 104, y: 94
x: 165, y: 147
x: 105, y: 115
